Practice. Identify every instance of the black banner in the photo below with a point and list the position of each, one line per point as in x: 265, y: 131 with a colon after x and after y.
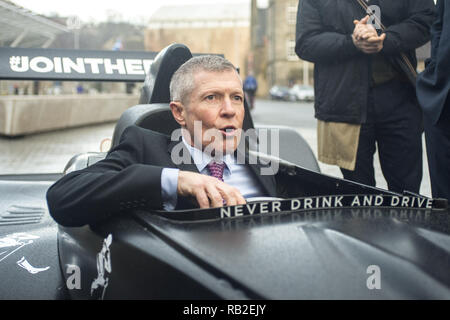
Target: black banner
x: 74, y: 65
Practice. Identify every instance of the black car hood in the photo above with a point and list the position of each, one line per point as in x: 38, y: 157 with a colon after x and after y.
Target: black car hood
x: 321, y: 254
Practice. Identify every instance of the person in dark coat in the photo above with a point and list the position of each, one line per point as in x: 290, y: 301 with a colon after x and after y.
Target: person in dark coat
x: 356, y: 83
x: 433, y: 86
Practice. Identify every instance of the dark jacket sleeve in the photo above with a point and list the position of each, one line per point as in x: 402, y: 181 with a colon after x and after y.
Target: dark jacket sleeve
x: 118, y: 183
x: 436, y: 29
x: 433, y: 83
x: 316, y: 44
x: 413, y: 32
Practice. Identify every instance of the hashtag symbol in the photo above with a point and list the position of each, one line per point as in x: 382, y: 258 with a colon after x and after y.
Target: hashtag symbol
x: 14, y: 61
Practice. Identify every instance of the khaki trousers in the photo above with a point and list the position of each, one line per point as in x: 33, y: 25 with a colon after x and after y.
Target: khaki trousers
x: 338, y: 143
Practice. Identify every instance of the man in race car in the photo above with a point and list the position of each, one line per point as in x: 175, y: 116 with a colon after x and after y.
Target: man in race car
x: 151, y: 171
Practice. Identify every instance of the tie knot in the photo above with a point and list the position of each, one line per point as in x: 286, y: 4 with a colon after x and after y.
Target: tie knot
x: 216, y: 169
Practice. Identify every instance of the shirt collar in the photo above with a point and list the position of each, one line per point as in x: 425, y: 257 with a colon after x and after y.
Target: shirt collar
x: 201, y: 159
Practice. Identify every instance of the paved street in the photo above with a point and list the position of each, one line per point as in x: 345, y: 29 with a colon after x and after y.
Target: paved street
x: 49, y: 152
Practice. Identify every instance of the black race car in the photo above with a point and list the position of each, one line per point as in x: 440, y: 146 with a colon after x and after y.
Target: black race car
x: 330, y: 239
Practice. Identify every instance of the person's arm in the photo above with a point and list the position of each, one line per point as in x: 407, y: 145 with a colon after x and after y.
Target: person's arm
x: 314, y: 43
x: 121, y: 183
x: 413, y: 32
x: 116, y: 184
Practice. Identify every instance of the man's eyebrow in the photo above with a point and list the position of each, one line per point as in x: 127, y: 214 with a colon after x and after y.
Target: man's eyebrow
x: 210, y: 91
x: 241, y: 92
x: 220, y: 92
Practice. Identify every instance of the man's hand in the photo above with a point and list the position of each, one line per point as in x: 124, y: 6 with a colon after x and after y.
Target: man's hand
x: 208, y: 191
x: 362, y: 30
x: 365, y: 37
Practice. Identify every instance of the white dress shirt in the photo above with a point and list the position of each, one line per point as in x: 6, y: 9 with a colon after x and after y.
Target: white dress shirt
x: 239, y: 176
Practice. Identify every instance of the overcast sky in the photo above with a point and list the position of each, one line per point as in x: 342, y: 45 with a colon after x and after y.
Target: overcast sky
x: 98, y: 10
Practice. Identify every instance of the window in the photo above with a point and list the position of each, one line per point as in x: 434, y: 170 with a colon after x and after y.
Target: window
x: 291, y: 55
x: 291, y: 13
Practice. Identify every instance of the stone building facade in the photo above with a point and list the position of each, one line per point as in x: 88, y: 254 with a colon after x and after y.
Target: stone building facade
x: 283, y: 65
x: 273, y: 44
x: 211, y: 28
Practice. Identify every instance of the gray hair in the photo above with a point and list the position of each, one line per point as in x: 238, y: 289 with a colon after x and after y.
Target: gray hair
x: 182, y: 83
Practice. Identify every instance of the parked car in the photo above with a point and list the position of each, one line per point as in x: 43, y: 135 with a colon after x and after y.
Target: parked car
x: 279, y: 93
x: 301, y: 93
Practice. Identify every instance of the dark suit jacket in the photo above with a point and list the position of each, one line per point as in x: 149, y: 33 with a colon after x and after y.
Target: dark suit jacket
x: 433, y: 84
x: 128, y: 178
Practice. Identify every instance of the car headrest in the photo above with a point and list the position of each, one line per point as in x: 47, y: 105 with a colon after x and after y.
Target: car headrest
x: 157, y: 117
x: 157, y: 81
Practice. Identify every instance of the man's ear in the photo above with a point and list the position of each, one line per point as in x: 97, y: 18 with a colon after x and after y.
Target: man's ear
x: 178, y: 112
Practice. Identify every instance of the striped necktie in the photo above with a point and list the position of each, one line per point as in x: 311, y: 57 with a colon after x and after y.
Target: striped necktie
x: 216, y: 169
